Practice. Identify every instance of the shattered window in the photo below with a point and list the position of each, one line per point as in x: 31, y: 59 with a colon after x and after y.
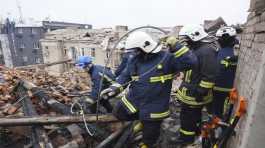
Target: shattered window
x: 21, y: 45
x: 36, y: 45
x: 37, y: 60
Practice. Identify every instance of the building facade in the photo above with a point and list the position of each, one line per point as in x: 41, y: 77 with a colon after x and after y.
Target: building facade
x: 20, y: 44
x: 71, y: 43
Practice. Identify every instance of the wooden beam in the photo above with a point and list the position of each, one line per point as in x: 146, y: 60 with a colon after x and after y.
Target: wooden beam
x: 44, y: 65
x: 41, y: 120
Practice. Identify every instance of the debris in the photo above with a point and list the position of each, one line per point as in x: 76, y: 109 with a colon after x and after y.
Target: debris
x: 42, y: 66
x: 46, y: 100
x: 36, y: 107
x: 113, y: 136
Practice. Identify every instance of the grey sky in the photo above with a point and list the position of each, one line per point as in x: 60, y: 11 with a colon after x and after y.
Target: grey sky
x: 107, y: 13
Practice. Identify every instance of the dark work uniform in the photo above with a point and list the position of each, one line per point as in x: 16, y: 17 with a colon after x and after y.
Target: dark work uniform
x: 149, y: 92
x: 96, y: 73
x: 124, y: 61
x: 196, y: 90
x: 227, y: 63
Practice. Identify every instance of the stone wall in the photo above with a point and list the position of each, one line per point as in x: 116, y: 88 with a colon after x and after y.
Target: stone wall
x: 250, y: 79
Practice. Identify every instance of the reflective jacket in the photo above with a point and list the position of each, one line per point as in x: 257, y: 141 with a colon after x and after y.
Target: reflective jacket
x: 96, y: 73
x: 196, y: 88
x: 124, y: 61
x: 226, y: 70
x: 151, y: 82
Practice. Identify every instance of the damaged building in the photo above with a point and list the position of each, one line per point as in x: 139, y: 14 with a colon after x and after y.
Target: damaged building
x: 73, y: 42
x: 20, y: 44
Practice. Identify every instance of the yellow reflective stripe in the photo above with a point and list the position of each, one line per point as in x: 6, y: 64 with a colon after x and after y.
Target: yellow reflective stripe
x: 135, y: 78
x: 191, y: 100
x: 222, y: 89
x: 138, y: 127
x: 179, y: 93
x: 225, y: 63
x: 232, y: 120
x: 206, y: 84
x: 162, y: 78
x: 226, y: 105
x: 107, y: 78
x: 160, y: 115
x: 184, y: 91
x: 181, y: 51
x: 187, y: 76
x: 188, y: 133
x: 128, y: 104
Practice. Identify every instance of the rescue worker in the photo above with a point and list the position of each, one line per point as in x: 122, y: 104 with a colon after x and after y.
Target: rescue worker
x: 195, y: 91
x: 149, y: 74
x: 125, y: 57
x: 227, y: 62
x: 96, y: 72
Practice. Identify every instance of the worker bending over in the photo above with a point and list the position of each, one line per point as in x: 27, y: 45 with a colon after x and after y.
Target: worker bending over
x: 149, y: 75
x: 96, y: 73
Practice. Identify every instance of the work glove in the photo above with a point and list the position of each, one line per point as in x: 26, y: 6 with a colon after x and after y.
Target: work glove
x: 110, y: 92
x: 173, y: 43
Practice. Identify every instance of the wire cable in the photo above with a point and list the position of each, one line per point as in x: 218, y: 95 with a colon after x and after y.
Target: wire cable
x: 111, y: 53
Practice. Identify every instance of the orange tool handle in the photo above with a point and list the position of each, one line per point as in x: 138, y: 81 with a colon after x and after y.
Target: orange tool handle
x: 242, y: 106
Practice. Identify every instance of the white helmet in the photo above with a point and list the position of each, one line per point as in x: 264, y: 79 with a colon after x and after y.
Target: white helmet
x: 194, y: 32
x: 142, y: 40
x: 226, y: 30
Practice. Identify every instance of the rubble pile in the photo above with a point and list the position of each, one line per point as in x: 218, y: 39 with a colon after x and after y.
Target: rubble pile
x: 61, y: 88
x: 47, y: 98
x: 60, y: 93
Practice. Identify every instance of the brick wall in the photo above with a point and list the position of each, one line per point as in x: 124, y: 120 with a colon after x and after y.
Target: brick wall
x: 250, y: 79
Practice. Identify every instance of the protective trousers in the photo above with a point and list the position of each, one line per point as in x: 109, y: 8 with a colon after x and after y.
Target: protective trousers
x: 217, y: 106
x: 151, y: 129
x: 190, y: 119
